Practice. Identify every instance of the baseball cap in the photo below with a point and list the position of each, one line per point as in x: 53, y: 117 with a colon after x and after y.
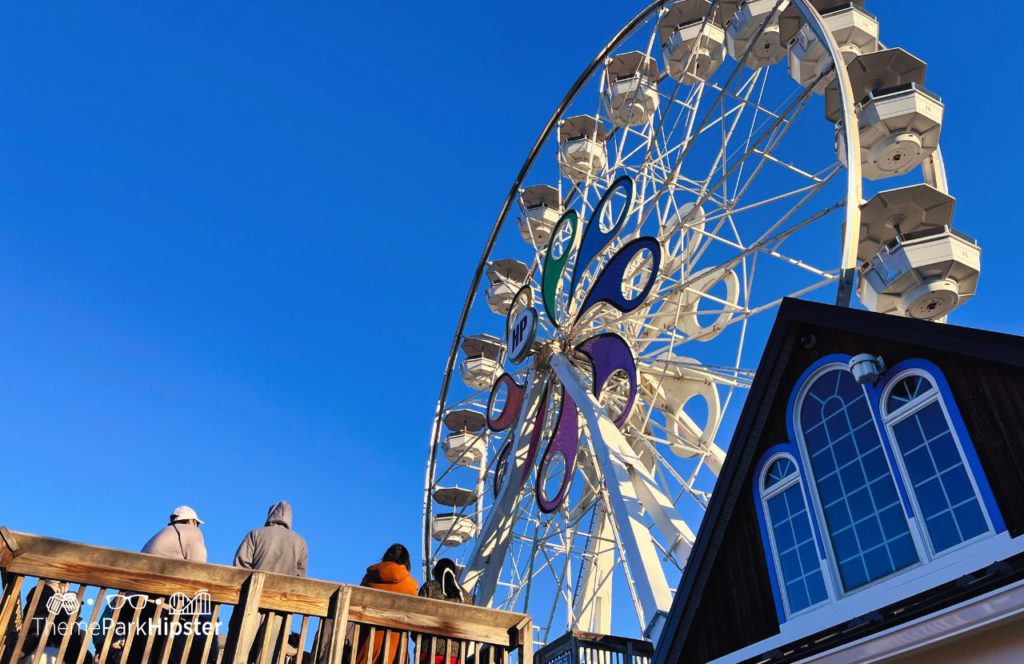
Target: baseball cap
x: 184, y: 513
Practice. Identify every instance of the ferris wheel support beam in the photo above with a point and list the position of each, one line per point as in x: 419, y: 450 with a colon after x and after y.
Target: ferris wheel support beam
x: 593, y: 606
x: 484, y: 566
x: 629, y: 500
x: 851, y: 130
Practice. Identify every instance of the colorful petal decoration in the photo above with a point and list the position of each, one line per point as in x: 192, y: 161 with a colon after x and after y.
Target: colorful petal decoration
x: 607, y: 353
x: 554, y: 266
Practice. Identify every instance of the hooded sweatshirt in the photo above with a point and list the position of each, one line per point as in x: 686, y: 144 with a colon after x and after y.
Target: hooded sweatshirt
x: 390, y: 576
x: 180, y: 541
x: 397, y: 579
x: 275, y: 547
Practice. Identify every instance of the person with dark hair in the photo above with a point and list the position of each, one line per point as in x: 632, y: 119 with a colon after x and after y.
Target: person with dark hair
x: 444, y: 586
x: 397, y: 553
x: 391, y: 574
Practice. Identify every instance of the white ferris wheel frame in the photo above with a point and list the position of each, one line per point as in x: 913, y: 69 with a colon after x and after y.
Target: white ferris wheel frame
x: 631, y: 491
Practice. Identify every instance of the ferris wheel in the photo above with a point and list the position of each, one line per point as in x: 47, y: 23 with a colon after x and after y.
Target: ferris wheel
x: 711, y: 161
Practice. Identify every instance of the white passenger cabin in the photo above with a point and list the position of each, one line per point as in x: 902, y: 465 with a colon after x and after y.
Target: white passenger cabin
x: 631, y: 89
x: 854, y: 29
x: 692, y: 41
x: 466, y: 443
x: 482, y: 364
x: 744, y: 36
x: 582, y: 148
x: 507, y: 277
x: 912, y: 262
x: 900, y: 121
x: 453, y: 529
x: 540, y: 209
x: 454, y: 497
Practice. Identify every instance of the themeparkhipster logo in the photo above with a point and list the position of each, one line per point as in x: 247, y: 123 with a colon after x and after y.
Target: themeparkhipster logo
x: 182, y: 615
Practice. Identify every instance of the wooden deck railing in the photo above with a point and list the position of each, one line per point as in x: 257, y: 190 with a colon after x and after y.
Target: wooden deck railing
x: 74, y: 603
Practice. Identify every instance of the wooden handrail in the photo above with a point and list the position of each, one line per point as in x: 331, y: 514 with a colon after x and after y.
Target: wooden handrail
x: 27, y: 555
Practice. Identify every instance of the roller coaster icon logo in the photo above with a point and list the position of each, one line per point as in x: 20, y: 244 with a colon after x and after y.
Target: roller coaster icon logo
x: 200, y: 604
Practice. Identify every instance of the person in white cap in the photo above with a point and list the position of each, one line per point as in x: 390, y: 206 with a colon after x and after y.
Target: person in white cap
x: 180, y: 538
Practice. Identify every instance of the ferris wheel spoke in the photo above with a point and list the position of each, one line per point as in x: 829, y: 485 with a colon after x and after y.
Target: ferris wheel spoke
x: 772, y: 235
x: 772, y: 137
x: 725, y: 211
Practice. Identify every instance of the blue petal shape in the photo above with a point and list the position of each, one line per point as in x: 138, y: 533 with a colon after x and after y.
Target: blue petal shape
x: 594, y: 239
x: 608, y: 287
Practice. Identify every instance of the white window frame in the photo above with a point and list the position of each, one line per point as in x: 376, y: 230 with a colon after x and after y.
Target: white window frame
x: 891, y: 419
x: 767, y: 493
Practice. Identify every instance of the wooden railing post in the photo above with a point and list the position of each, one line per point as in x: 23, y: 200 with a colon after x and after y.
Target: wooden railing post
x: 525, y: 641
x: 11, y: 604
x: 245, y: 620
x: 9, y: 547
x: 339, y: 624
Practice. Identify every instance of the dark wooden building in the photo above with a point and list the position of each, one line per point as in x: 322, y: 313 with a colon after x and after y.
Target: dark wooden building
x: 871, y: 504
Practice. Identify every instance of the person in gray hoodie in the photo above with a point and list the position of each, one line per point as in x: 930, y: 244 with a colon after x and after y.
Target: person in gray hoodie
x: 275, y: 547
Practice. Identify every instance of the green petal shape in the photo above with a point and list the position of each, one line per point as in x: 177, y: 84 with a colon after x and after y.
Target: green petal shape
x: 554, y: 267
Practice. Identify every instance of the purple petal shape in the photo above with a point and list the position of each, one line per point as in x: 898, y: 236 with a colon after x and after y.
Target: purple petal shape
x: 609, y: 353
x: 566, y: 440
x: 538, y: 430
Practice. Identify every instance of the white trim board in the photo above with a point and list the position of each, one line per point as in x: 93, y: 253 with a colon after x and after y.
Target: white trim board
x: 974, y: 614
x: 914, y: 581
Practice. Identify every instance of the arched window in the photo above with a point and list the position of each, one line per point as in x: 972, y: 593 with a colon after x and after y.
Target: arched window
x: 789, y: 527
x: 944, y: 491
x: 864, y: 518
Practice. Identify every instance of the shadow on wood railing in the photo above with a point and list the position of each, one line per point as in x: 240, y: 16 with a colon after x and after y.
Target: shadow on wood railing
x: 68, y: 602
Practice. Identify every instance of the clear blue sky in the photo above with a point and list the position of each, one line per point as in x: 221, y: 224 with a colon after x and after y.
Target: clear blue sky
x: 235, y: 238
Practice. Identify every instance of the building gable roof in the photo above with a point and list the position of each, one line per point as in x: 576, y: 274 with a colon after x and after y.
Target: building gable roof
x: 793, y: 316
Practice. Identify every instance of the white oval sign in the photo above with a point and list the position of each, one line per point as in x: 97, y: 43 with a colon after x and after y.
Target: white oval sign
x: 521, y: 331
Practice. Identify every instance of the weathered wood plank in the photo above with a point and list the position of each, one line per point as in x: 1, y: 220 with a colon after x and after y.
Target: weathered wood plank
x: 267, y: 624
x: 187, y: 649
x: 525, y: 641
x: 108, y: 641
x: 27, y: 623
x: 12, y: 594
x: 241, y: 637
x: 72, y: 620
x: 134, y: 572
x: 211, y: 636
x: 339, y: 626
x: 303, y: 631
x: 8, y: 546
x: 282, y: 641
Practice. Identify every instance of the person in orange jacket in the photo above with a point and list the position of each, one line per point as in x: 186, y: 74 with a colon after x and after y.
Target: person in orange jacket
x: 391, y: 574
